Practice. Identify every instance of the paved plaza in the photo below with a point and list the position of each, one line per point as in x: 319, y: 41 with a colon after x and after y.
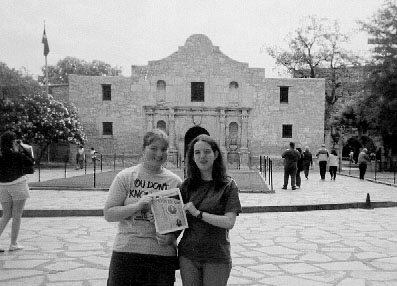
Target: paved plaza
x: 325, y: 247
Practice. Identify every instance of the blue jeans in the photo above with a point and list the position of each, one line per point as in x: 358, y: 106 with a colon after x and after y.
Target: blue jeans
x: 133, y: 269
x: 194, y: 273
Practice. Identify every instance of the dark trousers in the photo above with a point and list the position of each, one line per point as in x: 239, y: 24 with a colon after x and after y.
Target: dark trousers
x: 363, y: 168
x: 290, y: 172
x: 298, y: 178
x: 332, y: 171
x: 195, y: 273
x: 323, y: 168
x: 133, y: 269
x: 306, y: 168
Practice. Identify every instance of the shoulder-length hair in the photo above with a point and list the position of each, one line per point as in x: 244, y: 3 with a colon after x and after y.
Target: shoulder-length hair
x: 219, y: 168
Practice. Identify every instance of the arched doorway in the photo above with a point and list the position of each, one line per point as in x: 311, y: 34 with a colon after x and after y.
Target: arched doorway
x: 193, y: 133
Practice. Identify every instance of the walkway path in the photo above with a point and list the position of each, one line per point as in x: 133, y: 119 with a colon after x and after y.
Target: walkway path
x: 352, y: 247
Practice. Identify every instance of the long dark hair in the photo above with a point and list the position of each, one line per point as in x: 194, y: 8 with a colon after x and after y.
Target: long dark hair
x: 7, y: 140
x: 219, y: 168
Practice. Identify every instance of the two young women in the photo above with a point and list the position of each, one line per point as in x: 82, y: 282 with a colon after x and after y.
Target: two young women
x: 143, y: 257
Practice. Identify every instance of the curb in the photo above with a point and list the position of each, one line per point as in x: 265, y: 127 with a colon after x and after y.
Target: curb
x: 248, y: 209
x: 100, y: 189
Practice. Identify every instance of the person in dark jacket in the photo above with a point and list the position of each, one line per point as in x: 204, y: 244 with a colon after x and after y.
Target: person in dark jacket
x: 363, y: 160
x: 14, y: 189
x: 291, y: 157
x: 307, y: 161
x: 299, y: 168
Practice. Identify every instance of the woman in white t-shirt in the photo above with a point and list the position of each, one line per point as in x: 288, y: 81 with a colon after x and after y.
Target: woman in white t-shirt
x: 140, y: 255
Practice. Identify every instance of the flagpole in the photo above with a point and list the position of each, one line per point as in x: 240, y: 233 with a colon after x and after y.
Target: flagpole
x: 46, y: 76
x: 46, y: 70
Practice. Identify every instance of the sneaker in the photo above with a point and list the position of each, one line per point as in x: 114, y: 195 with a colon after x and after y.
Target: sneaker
x: 284, y: 188
x: 1, y: 250
x: 293, y: 188
x: 14, y: 247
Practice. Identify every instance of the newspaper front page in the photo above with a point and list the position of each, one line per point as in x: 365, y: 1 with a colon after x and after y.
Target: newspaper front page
x: 167, y: 208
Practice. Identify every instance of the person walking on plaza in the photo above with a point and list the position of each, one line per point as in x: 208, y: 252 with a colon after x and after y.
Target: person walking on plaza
x: 291, y: 157
x: 363, y: 160
x: 140, y: 255
x: 80, y: 158
x: 212, y: 203
x: 307, y: 161
x: 333, y: 164
x: 299, y: 168
x: 14, y: 190
x: 93, y: 155
x: 322, y: 156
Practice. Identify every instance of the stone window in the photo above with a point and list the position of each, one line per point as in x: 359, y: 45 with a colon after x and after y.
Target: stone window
x: 233, y: 134
x: 287, y: 131
x: 233, y: 85
x: 106, y: 92
x: 161, y: 85
x: 197, y: 91
x: 160, y: 89
x: 107, y: 128
x: 284, y: 94
x: 162, y: 125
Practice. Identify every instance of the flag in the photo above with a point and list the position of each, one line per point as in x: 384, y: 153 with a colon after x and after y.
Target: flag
x: 45, y: 42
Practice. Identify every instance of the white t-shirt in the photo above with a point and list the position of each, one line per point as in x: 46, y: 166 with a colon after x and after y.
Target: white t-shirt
x: 137, y: 234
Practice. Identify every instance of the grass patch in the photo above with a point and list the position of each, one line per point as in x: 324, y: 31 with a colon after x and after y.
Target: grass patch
x: 102, y: 180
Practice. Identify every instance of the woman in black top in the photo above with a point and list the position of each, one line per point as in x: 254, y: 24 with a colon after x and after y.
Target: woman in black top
x: 14, y: 189
x: 212, y: 203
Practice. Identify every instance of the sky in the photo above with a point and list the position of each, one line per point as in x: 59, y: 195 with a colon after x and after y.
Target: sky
x: 132, y: 32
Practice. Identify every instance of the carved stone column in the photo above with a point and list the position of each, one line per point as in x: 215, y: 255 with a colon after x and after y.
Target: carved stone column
x: 222, y: 131
x: 244, y: 152
x: 172, y: 153
x: 149, y: 116
x: 171, y: 124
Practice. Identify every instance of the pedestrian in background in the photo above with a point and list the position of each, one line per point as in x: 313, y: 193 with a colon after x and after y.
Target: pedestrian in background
x: 322, y: 156
x: 299, y: 168
x: 333, y: 164
x: 140, y: 255
x: 14, y: 189
x: 363, y: 160
x: 93, y: 155
x: 351, y: 155
x: 307, y: 161
x: 291, y: 157
x: 80, y: 158
x: 212, y: 204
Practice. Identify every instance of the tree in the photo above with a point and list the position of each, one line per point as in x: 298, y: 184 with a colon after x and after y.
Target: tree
x: 15, y: 82
x: 58, y: 74
x: 381, y: 104
x: 35, y: 117
x: 315, y: 50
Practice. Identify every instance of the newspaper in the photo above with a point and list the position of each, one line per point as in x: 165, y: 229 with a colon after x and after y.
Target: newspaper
x: 167, y: 209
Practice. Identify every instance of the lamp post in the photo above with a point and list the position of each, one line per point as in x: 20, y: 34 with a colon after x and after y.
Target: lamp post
x: 337, y: 134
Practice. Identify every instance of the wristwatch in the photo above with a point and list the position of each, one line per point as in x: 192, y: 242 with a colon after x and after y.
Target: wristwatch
x: 200, y: 215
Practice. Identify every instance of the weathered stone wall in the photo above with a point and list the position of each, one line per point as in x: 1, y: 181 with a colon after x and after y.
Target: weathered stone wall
x: 234, y: 93
x: 305, y: 111
x: 124, y: 110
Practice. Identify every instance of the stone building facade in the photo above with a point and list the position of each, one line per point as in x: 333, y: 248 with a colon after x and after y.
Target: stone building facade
x: 198, y: 89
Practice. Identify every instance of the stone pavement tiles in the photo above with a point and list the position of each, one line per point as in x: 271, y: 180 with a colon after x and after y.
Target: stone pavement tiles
x: 353, y: 247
